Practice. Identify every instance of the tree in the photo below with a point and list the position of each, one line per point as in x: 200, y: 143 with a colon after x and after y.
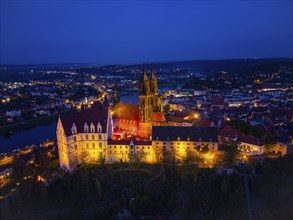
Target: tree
x: 158, y: 155
x: 101, y: 158
x: 137, y: 158
x: 167, y: 156
x: 84, y: 156
x: 190, y: 156
x: 231, y: 152
x: 270, y: 141
x: 200, y: 151
x: 140, y: 156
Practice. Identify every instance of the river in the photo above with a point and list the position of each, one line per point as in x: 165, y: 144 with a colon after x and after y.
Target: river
x: 40, y: 133
x: 30, y: 136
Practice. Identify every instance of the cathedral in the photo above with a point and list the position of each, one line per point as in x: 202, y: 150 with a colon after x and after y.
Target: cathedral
x: 137, y: 120
x: 88, y: 136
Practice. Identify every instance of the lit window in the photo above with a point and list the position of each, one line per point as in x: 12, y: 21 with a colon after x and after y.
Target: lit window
x: 93, y: 145
x: 86, y: 127
x: 87, y: 145
x: 99, y: 127
x: 92, y: 128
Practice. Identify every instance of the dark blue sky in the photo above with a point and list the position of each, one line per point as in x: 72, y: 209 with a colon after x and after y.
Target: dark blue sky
x: 136, y: 32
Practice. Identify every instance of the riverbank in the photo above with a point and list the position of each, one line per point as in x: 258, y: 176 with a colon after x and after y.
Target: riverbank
x: 45, y: 120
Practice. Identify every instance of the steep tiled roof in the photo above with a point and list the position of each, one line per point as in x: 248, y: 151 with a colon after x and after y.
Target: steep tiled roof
x: 204, y: 123
x: 96, y: 114
x: 126, y: 111
x: 172, y: 118
x: 250, y: 140
x: 172, y: 133
x: 158, y: 117
x: 218, y: 101
x: 127, y: 142
x: 228, y: 131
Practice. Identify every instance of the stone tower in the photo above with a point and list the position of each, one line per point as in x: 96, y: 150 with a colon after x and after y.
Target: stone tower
x: 154, y: 91
x: 116, y: 98
x: 145, y: 107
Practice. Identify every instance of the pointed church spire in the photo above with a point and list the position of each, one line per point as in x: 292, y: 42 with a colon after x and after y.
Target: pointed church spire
x: 153, y: 81
x: 144, y: 83
x: 145, y: 77
x: 116, y: 98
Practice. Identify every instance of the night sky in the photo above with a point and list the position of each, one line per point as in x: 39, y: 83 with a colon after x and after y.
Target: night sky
x: 135, y: 32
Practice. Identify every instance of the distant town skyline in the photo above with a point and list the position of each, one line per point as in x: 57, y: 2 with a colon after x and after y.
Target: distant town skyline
x: 141, y: 32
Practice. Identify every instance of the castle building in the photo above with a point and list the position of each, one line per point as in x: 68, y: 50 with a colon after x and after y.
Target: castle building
x: 82, y: 137
x: 87, y: 136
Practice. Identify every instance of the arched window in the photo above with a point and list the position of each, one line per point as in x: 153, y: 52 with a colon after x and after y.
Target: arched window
x: 73, y: 129
x: 99, y: 127
x: 86, y: 128
x: 92, y: 128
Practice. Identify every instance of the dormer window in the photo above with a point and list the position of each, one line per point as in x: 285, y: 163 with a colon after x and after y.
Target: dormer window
x: 199, y: 139
x: 211, y: 140
x: 86, y: 128
x: 99, y: 127
x: 92, y: 128
x: 178, y: 139
x: 73, y: 129
x: 188, y: 139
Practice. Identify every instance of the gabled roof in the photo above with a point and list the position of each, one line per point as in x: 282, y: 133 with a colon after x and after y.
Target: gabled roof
x: 218, y: 101
x: 171, y: 133
x: 228, y: 131
x: 249, y: 140
x: 96, y: 114
x: 158, y: 117
x: 127, y: 142
x: 126, y: 111
x: 204, y: 123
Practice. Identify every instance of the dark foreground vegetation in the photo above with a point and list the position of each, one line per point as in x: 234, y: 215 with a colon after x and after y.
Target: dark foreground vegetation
x: 157, y: 192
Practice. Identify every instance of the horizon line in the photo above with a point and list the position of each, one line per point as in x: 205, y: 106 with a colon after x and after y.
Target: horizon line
x: 152, y: 62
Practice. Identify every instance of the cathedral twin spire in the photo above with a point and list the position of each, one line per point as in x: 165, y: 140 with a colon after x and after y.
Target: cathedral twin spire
x: 148, y: 86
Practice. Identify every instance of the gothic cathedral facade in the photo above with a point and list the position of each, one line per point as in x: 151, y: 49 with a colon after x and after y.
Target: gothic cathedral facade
x: 148, y: 103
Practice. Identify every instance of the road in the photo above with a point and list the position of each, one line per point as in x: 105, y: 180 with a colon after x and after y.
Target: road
x: 248, y: 203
